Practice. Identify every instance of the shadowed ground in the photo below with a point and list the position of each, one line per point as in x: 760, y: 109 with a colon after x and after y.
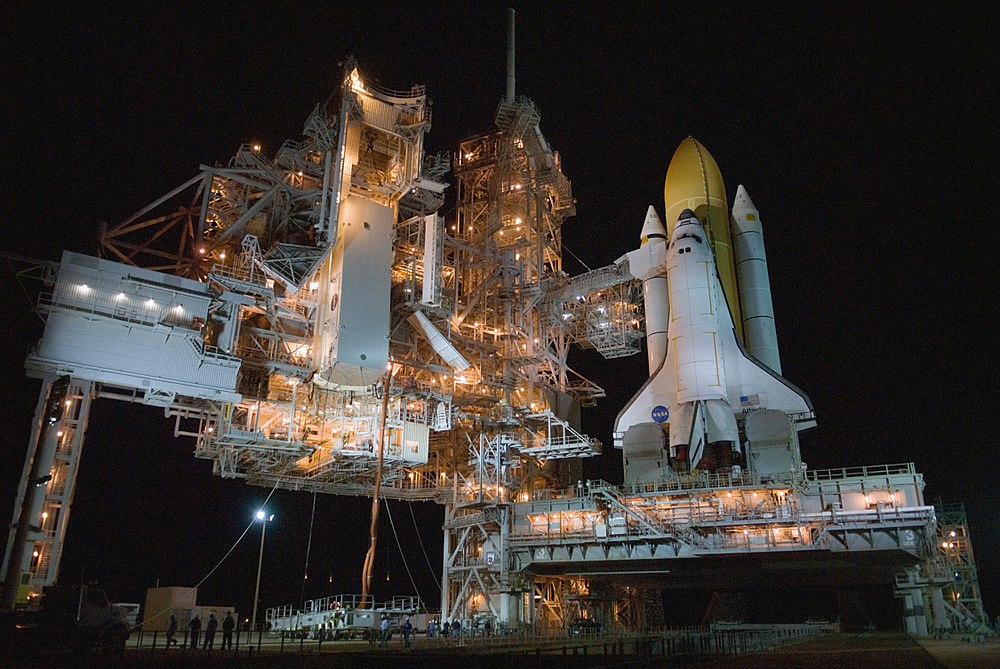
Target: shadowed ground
x: 836, y: 651
x: 871, y: 651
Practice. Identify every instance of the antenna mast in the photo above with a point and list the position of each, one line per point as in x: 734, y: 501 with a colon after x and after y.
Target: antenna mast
x: 510, y: 55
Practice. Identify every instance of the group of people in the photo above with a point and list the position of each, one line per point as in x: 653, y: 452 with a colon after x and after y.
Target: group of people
x: 434, y: 629
x: 452, y: 629
x: 384, y: 631
x: 448, y: 630
x: 194, y: 627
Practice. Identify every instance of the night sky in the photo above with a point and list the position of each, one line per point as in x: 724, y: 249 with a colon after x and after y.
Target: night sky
x: 866, y: 134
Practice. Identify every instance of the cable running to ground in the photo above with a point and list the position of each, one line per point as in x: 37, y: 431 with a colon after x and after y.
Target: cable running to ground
x: 228, y: 553
x: 400, y: 547
x: 424, y: 550
x: 305, y: 572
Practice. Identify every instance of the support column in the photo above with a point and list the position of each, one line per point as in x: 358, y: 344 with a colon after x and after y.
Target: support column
x: 941, y: 619
x: 908, y: 619
x: 41, y: 510
x: 920, y: 617
x: 505, y: 562
x: 913, y: 613
x: 445, y: 560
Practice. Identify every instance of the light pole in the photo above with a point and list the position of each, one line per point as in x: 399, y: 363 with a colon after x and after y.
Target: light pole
x: 264, y: 520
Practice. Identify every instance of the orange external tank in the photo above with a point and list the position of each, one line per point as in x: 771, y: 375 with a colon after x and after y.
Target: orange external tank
x: 694, y: 182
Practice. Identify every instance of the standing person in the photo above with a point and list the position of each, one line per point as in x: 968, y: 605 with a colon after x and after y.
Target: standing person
x: 456, y: 629
x: 383, y: 631
x: 431, y: 629
x: 213, y: 624
x: 227, y: 631
x: 171, y: 630
x: 195, y: 627
x: 446, y: 629
x: 407, y: 630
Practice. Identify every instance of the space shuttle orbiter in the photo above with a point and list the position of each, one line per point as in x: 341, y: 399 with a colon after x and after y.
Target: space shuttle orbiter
x: 701, y: 375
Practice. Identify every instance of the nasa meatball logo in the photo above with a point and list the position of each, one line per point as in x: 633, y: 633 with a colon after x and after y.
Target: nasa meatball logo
x: 661, y: 414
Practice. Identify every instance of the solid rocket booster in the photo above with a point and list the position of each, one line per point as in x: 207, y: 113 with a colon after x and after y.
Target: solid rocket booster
x: 694, y: 182
x: 648, y: 265
x: 755, y: 287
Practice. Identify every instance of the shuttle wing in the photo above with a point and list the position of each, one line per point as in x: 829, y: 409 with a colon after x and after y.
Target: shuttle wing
x: 753, y: 387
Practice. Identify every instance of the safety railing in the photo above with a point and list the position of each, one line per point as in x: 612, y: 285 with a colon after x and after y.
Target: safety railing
x: 482, y: 639
x: 860, y: 472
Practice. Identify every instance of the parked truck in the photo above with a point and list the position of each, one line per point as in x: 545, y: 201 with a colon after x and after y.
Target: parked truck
x: 68, y: 618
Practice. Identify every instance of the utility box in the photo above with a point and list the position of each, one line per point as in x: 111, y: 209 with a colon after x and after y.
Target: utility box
x: 161, y: 603
x: 362, y: 618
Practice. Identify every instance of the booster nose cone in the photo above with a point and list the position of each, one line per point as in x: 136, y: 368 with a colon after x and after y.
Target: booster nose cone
x: 742, y: 201
x: 652, y: 227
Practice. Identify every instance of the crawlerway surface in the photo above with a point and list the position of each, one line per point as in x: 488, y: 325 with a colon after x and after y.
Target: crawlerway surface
x: 868, y: 650
x: 884, y: 650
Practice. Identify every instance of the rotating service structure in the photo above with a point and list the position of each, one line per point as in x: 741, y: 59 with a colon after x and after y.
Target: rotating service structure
x: 288, y: 295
